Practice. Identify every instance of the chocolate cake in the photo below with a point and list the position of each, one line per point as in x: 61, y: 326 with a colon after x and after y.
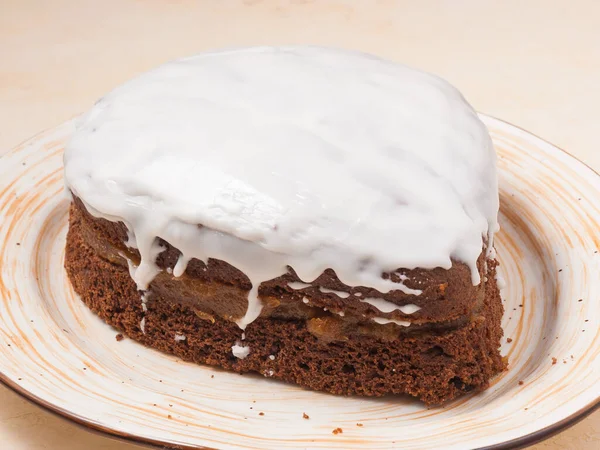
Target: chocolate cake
x: 318, y: 216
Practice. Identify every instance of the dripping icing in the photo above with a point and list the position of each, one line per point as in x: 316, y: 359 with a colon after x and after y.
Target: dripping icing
x: 140, y: 157
x: 386, y: 307
x: 384, y: 321
x: 240, y: 351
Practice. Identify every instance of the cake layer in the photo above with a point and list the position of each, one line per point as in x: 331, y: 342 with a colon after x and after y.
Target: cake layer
x: 434, y: 365
x: 218, y: 289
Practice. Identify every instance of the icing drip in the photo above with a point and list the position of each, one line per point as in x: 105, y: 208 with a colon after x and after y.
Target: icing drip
x: 180, y: 266
x: 298, y: 285
x: 130, y: 239
x: 340, y: 294
x: 240, y: 351
x: 386, y: 307
x: 145, y: 296
x: 180, y: 337
x: 305, y: 157
x: 384, y: 321
x: 130, y: 265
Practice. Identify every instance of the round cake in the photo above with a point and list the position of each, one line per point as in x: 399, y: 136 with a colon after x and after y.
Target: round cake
x: 319, y: 216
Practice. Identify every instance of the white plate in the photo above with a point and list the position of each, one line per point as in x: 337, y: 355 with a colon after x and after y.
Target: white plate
x: 54, y: 351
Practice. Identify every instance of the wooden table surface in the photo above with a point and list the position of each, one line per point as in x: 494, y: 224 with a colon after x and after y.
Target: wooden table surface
x: 535, y: 63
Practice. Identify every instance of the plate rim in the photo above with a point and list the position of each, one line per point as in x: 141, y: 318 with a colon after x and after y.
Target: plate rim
x: 114, y: 434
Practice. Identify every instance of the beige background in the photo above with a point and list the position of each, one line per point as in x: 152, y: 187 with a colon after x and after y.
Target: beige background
x: 535, y: 63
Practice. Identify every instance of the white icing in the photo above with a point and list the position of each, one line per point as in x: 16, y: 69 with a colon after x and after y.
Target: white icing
x: 272, y: 357
x: 169, y: 271
x: 386, y: 307
x: 143, y: 325
x: 358, y: 294
x: 130, y: 265
x: 130, y: 239
x: 240, y: 351
x: 305, y: 300
x: 296, y: 285
x: 145, y: 296
x: 179, y: 337
x: 384, y: 321
x: 341, y: 313
x: 180, y: 266
x: 306, y: 157
x: 340, y: 294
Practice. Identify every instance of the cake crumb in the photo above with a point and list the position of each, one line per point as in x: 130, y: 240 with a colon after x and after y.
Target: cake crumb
x: 509, y: 340
x: 359, y: 424
x: 212, y: 376
x: 261, y: 413
x: 305, y: 416
x: 521, y: 383
x: 337, y: 431
x: 169, y: 416
x: 119, y: 337
x: 554, y: 360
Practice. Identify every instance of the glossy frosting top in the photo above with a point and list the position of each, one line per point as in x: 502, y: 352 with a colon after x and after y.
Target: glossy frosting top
x: 306, y: 157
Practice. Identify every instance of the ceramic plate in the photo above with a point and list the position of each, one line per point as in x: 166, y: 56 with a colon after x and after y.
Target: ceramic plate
x: 54, y: 351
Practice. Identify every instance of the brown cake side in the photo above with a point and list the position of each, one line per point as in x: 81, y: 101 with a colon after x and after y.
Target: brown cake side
x: 452, y: 346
